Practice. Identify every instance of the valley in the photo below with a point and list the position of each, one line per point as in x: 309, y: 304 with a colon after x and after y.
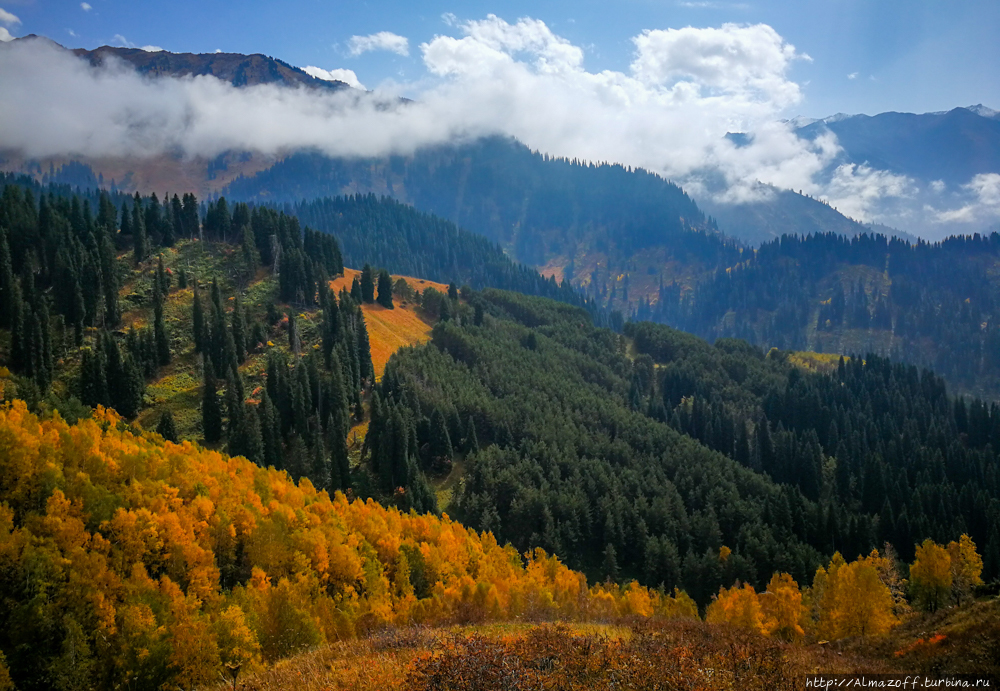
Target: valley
x: 519, y: 369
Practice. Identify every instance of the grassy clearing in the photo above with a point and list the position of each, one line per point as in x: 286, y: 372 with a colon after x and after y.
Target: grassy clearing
x: 674, y: 654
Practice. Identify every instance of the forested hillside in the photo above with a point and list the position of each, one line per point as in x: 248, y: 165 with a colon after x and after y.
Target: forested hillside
x: 384, y: 232
x: 934, y: 305
x: 592, y: 222
x: 591, y: 454
x: 650, y: 461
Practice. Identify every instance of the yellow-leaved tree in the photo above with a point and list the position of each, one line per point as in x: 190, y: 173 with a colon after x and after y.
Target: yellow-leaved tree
x: 737, y: 606
x: 930, y: 576
x: 782, y: 607
x: 851, y: 599
x: 966, y: 567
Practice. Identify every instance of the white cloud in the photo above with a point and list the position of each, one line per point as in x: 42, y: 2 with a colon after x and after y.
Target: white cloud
x: 8, y: 18
x: 71, y: 32
x: 340, y: 75
x: 751, y: 60
x: 383, y: 40
x: 937, y: 186
x: 5, y: 35
x: 982, y: 204
x: 668, y: 113
x: 449, y: 19
x: 85, y: 6
x: 858, y: 191
x: 852, y: 75
x: 125, y: 43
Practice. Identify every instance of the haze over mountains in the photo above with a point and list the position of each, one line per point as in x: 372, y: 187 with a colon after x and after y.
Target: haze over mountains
x: 851, y: 164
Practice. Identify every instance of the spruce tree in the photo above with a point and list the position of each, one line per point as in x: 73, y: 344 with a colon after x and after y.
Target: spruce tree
x: 190, y: 223
x: 239, y: 327
x: 293, y: 333
x: 236, y: 430
x: 356, y: 290
x: 126, y: 224
x: 168, y: 232
x: 211, y: 411
x: 385, y: 289
x: 368, y: 284
x: 140, y: 243
x: 471, y: 439
x: 440, y: 441
x: 109, y: 274
x: 6, y: 281
x: 270, y: 432
x: 198, y: 321
x: 93, y: 386
x: 166, y: 427
x: 367, y: 370
x: 253, y: 445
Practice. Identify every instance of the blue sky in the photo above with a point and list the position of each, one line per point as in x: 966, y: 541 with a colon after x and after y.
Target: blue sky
x: 904, y: 55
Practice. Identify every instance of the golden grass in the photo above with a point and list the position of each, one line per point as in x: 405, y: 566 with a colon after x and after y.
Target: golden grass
x: 415, y: 283
x: 390, y: 330
x: 382, y: 661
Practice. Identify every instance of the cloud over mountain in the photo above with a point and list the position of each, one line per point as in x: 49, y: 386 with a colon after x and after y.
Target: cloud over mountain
x: 669, y: 112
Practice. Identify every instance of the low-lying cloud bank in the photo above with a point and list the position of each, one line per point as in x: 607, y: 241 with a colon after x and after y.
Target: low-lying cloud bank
x: 669, y: 113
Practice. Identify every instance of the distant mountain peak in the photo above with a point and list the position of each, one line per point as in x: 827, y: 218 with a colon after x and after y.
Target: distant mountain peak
x: 236, y: 68
x: 980, y: 109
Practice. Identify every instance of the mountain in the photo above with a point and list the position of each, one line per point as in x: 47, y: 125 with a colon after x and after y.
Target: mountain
x: 595, y: 225
x: 235, y: 68
x: 647, y: 460
x: 933, y: 304
x: 952, y: 146
x: 780, y: 212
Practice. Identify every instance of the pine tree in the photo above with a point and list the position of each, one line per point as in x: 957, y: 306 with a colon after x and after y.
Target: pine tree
x: 109, y: 275
x: 211, y: 411
x: 367, y: 284
x: 236, y: 431
x: 166, y: 427
x: 126, y: 224
x: 366, y: 369
x: 385, y: 289
x: 6, y: 282
x: 198, y: 321
x: 253, y: 445
x: 139, y: 239
x: 440, y: 441
x: 93, y: 386
x: 270, y: 432
x: 471, y: 439
x: 293, y: 333
x: 239, y: 326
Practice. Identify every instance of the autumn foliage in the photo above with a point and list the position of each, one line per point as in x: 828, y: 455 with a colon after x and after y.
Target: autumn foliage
x: 133, y: 562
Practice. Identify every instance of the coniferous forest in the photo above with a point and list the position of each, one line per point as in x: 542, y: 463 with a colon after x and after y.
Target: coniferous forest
x: 677, y: 477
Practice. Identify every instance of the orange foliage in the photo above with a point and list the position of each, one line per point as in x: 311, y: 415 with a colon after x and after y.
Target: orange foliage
x: 182, y: 559
x: 851, y: 598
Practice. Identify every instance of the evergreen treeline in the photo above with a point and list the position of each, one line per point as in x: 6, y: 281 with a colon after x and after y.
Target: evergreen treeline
x: 385, y: 232
x: 934, y: 305
x: 538, y: 400
x: 533, y: 205
x: 300, y: 421
x: 890, y: 456
x: 572, y: 446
